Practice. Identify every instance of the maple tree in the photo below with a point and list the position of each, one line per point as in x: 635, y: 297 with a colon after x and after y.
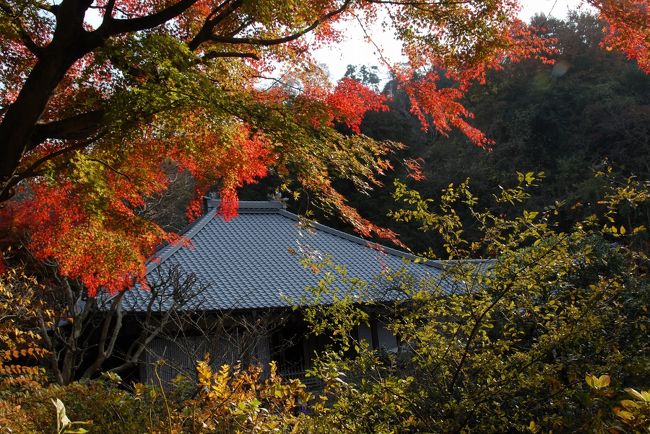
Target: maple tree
x: 98, y: 96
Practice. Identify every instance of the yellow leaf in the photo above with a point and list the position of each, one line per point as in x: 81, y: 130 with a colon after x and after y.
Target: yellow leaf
x: 629, y: 404
x: 604, y: 381
x: 623, y: 414
x: 641, y: 396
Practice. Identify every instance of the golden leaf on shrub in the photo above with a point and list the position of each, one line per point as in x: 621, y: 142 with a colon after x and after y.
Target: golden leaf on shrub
x: 598, y: 382
x: 644, y: 395
x: 623, y: 414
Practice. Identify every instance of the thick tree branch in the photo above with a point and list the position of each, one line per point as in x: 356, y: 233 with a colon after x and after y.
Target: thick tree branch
x: 70, y: 42
x: 7, y: 189
x: 108, y: 11
x: 111, y: 26
x: 73, y: 128
x: 283, y: 40
x: 35, y: 49
x: 218, y: 8
x: 208, y: 27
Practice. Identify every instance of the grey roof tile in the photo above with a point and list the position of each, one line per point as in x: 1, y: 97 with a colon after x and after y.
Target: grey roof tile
x: 253, y: 261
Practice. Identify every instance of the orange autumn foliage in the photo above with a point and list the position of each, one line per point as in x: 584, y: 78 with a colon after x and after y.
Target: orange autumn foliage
x: 627, y: 28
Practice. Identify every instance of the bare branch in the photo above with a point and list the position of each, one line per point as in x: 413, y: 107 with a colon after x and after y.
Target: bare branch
x: 111, y: 168
x: 104, y: 346
x: 54, y: 361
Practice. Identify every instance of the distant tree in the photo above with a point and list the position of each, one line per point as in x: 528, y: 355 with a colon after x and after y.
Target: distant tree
x: 368, y: 76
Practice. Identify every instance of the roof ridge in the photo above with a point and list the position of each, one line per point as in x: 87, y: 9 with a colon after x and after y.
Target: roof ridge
x: 247, y: 206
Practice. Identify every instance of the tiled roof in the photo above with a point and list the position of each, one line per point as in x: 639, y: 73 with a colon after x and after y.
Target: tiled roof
x: 254, y: 260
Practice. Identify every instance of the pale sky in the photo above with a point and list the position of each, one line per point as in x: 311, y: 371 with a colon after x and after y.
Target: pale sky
x: 354, y: 50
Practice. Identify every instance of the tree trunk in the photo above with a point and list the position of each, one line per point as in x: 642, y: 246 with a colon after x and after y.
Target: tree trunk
x: 70, y: 43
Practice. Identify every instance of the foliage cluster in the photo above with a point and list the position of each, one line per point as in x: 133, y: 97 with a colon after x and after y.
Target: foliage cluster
x: 102, y: 403
x: 21, y: 312
x: 93, y: 109
x: 229, y: 400
x: 93, y: 115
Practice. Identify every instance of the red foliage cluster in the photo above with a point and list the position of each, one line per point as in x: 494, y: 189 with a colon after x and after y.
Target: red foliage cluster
x: 100, y: 237
x: 114, y: 248
x: 441, y: 108
x: 229, y: 159
x: 351, y: 100
x: 627, y: 28
x: 346, y: 104
x: 414, y: 168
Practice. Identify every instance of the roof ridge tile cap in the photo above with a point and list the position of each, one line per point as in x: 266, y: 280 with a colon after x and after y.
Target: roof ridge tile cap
x: 245, y: 205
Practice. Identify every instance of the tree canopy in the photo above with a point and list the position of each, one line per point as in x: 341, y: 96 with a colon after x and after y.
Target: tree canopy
x: 101, y: 101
